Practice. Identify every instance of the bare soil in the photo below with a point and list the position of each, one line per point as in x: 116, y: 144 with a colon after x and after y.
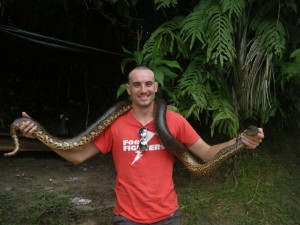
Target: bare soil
x: 31, y: 172
x: 34, y: 172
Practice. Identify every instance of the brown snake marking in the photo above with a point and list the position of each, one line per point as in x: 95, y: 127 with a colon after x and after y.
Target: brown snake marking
x: 66, y: 144
x: 183, y: 154
x: 178, y: 149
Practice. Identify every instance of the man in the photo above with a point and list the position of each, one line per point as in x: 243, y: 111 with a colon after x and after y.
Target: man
x: 144, y: 186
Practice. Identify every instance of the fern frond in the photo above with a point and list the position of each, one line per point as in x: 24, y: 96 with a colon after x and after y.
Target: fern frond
x: 234, y: 8
x: 272, y: 34
x: 288, y: 71
x: 224, y: 117
x: 194, y: 26
x: 220, y: 47
x: 296, y: 55
x: 192, y: 91
x: 262, y: 10
x: 165, y: 3
x: 165, y: 39
x: 196, y: 94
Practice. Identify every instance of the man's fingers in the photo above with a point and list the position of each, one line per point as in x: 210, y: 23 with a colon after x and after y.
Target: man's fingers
x: 24, y: 114
x: 253, y: 142
x: 27, y: 129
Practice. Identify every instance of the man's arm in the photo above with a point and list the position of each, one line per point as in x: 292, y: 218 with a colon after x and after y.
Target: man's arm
x: 80, y: 154
x: 207, y: 152
x: 76, y: 156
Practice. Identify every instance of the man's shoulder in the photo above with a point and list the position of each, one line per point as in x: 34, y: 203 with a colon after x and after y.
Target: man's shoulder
x: 172, y: 114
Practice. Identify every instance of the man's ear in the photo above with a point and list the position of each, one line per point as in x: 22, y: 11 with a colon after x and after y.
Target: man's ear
x: 156, y: 86
x: 128, y: 89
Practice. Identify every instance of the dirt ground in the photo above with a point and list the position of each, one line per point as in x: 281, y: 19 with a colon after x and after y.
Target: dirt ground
x: 92, y: 181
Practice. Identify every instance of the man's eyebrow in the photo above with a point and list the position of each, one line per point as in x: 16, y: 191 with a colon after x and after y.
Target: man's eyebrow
x: 147, y: 82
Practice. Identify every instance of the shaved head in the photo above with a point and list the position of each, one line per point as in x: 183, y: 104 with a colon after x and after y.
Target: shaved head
x: 137, y: 68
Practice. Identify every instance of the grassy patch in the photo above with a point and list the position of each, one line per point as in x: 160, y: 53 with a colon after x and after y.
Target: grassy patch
x: 258, y: 191
x: 37, y: 208
x: 47, y: 208
x: 260, y: 187
x: 7, y: 207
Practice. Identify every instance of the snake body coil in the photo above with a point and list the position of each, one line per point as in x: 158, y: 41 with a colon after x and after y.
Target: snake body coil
x: 183, y: 154
x: 66, y: 144
x: 178, y: 149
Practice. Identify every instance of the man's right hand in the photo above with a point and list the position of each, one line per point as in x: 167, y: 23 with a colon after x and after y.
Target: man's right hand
x: 28, y: 128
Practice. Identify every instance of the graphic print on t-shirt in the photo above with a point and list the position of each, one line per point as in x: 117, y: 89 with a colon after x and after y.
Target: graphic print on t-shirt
x: 133, y: 145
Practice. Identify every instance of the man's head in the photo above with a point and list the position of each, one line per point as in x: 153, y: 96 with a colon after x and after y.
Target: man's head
x: 142, y: 86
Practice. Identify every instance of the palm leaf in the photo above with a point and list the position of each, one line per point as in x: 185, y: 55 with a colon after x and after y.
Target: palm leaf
x: 258, y: 74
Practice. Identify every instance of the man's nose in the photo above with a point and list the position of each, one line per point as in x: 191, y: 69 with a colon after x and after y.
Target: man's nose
x: 143, y: 88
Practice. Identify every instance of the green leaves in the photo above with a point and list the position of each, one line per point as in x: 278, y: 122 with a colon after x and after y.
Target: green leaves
x: 192, y: 92
x: 165, y: 40
x: 164, y: 3
x: 272, y: 34
x: 296, y: 55
x: 196, y: 93
x: 162, y: 43
x: 224, y: 117
x: 220, y: 48
x: 194, y: 26
x: 211, y: 26
x: 137, y: 57
x: 228, y: 49
x: 162, y: 68
x: 234, y: 8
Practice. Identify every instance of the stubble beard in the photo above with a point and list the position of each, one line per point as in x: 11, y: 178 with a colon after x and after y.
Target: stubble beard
x: 147, y: 103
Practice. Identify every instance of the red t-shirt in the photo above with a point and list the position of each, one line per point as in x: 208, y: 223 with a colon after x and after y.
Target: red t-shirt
x: 144, y: 188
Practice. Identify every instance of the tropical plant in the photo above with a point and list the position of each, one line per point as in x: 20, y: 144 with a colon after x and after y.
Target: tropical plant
x: 161, y: 44
x: 288, y: 83
x: 227, y: 49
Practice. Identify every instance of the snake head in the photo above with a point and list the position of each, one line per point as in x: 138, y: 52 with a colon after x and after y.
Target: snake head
x: 252, y: 130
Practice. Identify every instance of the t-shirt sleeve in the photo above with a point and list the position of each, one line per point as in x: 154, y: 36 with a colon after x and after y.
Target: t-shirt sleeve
x: 104, y: 141
x: 181, y: 129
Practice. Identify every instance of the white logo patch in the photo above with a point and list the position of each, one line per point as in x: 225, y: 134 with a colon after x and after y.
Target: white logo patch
x: 133, y: 145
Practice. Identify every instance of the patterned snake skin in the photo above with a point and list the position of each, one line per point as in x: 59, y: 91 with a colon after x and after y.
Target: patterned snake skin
x: 182, y: 153
x: 66, y: 144
x: 178, y: 149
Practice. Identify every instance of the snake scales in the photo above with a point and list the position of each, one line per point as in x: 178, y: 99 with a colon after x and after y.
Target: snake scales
x: 178, y: 149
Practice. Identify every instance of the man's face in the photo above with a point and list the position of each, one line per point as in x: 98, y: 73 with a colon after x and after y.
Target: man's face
x: 142, y: 87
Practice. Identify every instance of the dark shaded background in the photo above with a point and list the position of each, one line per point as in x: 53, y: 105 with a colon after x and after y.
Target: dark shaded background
x: 47, y: 82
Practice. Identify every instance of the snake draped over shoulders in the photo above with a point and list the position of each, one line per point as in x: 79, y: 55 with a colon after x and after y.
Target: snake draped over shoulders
x: 177, y: 148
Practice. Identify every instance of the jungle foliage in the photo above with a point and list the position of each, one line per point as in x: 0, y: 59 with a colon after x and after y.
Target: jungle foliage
x: 226, y: 63
x: 236, y: 58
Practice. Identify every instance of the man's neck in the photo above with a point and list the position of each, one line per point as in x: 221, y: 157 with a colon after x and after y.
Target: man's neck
x: 143, y: 114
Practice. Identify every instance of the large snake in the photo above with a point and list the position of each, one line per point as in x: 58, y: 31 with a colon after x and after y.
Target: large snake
x: 178, y: 149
